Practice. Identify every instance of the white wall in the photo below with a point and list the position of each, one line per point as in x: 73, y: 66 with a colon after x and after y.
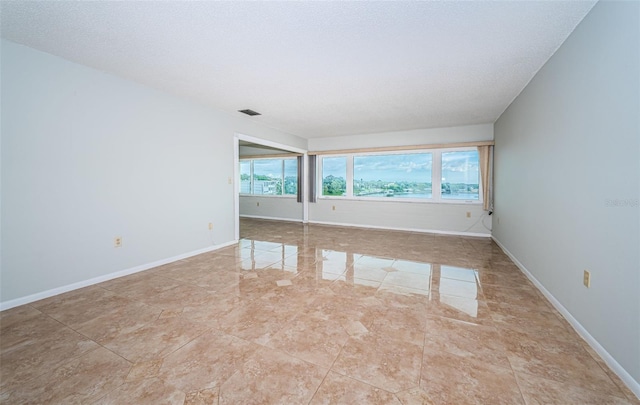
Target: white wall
x: 287, y: 208
x: 568, y: 151
x: 87, y: 156
x: 468, y: 133
x: 431, y: 217
x: 426, y: 217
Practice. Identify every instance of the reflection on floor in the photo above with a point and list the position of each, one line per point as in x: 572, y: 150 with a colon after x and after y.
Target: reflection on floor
x: 307, y: 314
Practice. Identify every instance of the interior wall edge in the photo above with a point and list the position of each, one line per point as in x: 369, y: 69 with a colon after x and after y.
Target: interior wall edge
x: 96, y: 280
x: 630, y: 382
x: 389, y: 228
x: 271, y: 218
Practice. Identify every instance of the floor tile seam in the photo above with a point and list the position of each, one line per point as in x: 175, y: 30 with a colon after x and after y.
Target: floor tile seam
x: 479, y: 297
x: 68, y: 326
x: 517, y: 302
x: 207, y: 330
x: 504, y: 327
x: 77, y: 330
x: 524, y: 309
x: 265, y: 345
x: 57, y: 365
x: 424, y: 347
x: 480, y: 301
x: 565, y: 382
x: 512, y: 290
x: 515, y: 377
x: 616, y: 380
x: 522, y: 374
x: 142, y: 326
x: 131, y: 296
x: 474, y: 359
x: 623, y: 389
x: 369, y: 383
x: 219, y: 386
x: 549, y: 340
x: 455, y: 321
x: 64, y: 362
x: 100, y: 400
x: 193, y: 284
x: 330, y: 369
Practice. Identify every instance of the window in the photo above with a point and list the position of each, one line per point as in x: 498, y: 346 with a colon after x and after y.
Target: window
x: 396, y: 176
x: 436, y: 175
x: 334, y: 176
x: 245, y: 177
x: 269, y: 176
x: 460, y: 175
x: 291, y: 176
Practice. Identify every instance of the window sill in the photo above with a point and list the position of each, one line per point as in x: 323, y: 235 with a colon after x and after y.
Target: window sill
x: 401, y: 200
x: 293, y: 196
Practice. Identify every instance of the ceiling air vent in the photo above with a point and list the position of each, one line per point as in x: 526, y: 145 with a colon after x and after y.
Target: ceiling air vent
x: 249, y: 112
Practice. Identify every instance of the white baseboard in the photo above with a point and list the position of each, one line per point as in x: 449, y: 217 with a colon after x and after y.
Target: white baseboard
x: 631, y: 383
x: 389, y: 228
x: 271, y: 218
x: 85, y: 283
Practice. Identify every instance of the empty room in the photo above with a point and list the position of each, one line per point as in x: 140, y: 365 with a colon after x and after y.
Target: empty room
x: 407, y: 202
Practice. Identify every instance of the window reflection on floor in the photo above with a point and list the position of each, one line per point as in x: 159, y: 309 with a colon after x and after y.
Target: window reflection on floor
x: 456, y: 287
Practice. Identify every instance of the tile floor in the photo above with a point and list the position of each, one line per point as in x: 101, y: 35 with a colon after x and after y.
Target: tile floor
x: 307, y: 315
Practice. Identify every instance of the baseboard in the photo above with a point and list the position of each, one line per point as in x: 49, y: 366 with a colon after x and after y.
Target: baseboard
x: 630, y: 382
x: 271, y: 218
x: 389, y: 228
x: 81, y: 284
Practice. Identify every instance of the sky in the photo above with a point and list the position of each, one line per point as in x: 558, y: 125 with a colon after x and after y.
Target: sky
x: 273, y: 167
x: 460, y: 167
x: 457, y: 167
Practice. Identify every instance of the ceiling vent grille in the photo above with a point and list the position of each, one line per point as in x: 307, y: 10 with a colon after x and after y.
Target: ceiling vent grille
x: 249, y: 112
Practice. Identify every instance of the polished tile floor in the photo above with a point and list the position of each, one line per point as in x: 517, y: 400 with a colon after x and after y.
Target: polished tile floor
x: 297, y: 314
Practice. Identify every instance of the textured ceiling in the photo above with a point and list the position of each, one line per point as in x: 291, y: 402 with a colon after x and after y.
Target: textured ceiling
x: 313, y: 68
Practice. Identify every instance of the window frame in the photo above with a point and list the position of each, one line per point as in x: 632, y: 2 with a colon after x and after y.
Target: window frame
x: 252, y: 175
x: 320, y: 178
x: 436, y: 177
x: 387, y: 153
x: 453, y: 200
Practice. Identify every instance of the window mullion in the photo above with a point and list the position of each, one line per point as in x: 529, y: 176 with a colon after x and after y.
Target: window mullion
x: 436, y: 185
x: 349, y: 178
x: 251, y: 190
x: 282, y: 177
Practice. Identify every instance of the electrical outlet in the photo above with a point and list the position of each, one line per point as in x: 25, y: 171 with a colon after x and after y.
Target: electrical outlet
x: 257, y: 204
x: 210, y: 225
x: 586, y: 279
x: 333, y: 208
x: 468, y: 214
x: 117, y: 241
x: 229, y: 180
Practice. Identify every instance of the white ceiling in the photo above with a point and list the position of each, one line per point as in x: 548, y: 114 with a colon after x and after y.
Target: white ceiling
x: 313, y: 68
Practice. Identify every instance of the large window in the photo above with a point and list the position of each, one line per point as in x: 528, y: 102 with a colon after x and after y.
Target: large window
x: 460, y: 175
x: 245, y: 177
x: 437, y: 175
x: 398, y: 176
x: 334, y: 176
x: 291, y: 176
x: 269, y: 176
